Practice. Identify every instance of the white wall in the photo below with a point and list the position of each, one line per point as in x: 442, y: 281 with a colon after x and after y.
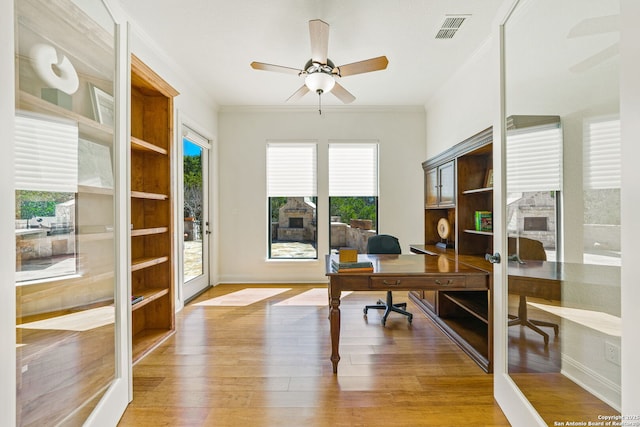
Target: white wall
x: 629, y: 113
x: 462, y: 107
x: 243, y: 134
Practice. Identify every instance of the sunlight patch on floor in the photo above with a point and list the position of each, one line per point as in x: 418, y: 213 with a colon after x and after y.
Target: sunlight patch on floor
x: 242, y: 298
x: 314, y: 297
x: 603, y: 322
x: 80, y: 321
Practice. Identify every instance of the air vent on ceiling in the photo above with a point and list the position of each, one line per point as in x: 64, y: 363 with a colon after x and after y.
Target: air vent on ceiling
x: 450, y: 26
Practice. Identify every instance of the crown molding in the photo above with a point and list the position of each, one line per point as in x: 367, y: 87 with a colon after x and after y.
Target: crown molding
x: 329, y: 109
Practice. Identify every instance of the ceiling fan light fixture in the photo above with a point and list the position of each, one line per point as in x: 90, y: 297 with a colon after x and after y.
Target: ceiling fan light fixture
x: 319, y: 82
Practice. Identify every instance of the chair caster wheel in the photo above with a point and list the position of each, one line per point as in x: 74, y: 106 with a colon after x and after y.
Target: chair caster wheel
x: 364, y: 310
x: 410, y: 318
x: 383, y: 321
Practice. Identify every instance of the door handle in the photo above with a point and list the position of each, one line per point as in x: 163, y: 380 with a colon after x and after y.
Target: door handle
x: 493, y: 259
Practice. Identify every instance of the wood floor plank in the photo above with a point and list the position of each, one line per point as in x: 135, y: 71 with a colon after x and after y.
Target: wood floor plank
x: 268, y: 365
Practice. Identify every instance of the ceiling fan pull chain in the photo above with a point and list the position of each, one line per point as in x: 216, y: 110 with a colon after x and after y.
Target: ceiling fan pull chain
x: 320, y: 101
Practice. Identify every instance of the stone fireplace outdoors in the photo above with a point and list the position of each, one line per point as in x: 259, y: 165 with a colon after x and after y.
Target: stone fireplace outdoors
x: 297, y: 221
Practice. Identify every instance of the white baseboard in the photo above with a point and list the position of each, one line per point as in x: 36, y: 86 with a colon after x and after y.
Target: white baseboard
x: 601, y: 387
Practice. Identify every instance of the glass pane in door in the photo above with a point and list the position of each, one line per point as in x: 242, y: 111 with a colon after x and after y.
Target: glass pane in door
x: 563, y: 207
x: 64, y: 210
x: 194, y: 224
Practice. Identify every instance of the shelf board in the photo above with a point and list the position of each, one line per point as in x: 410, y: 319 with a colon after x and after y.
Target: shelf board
x: 148, y: 296
x: 149, y: 196
x: 89, y: 189
x: 148, y: 231
x: 483, y: 233
x: 478, y: 190
x: 470, y: 304
x: 141, y: 263
x: 474, y: 335
x: 86, y: 126
x: 141, y: 145
x: 148, y: 339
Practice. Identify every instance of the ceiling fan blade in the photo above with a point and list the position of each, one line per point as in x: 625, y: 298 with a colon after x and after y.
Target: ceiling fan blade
x: 319, y: 33
x: 298, y: 94
x: 596, y: 59
x: 597, y: 25
x: 342, y: 94
x: 276, y: 68
x: 373, y: 64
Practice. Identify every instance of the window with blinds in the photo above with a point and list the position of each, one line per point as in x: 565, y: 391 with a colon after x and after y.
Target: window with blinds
x: 601, y: 151
x: 46, y: 153
x: 534, y: 159
x: 46, y: 187
x: 353, y: 189
x: 534, y: 179
x: 292, y: 199
x: 601, y: 174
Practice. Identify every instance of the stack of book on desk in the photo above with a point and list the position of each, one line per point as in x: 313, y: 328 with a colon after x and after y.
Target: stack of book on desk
x: 352, y: 267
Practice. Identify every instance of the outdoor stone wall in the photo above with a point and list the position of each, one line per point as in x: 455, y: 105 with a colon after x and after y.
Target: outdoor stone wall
x: 342, y: 235
x: 534, y: 205
x: 602, y: 237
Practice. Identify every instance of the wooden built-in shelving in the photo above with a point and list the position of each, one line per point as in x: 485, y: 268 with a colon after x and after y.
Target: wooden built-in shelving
x: 152, y: 221
x: 149, y: 231
x: 148, y: 296
x: 140, y: 263
x: 470, y: 303
x: 478, y: 190
x: 479, y: 232
x: 140, y: 145
x: 465, y: 316
x: 150, y: 196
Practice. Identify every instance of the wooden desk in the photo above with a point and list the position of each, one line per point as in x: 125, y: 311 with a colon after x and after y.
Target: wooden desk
x: 398, y: 272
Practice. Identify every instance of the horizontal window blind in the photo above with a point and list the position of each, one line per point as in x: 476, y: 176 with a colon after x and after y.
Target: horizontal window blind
x: 194, y: 136
x: 534, y: 159
x: 353, y: 169
x: 602, y: 161
x: 46, y: 153
x: 291, y: 170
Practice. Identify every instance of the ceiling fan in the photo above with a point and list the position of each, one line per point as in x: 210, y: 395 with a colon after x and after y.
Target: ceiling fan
x: 320, y: 72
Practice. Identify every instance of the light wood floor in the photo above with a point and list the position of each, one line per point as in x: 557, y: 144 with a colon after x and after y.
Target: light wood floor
x: 268, y: 365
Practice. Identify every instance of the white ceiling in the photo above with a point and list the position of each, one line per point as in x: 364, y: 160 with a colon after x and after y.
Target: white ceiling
x: 214, y: 41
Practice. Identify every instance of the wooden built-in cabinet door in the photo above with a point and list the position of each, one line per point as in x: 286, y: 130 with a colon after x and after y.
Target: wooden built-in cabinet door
x: 431, y: 187
x: 447, y: 183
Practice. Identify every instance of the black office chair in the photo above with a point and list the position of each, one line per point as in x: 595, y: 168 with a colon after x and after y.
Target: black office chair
x: 386, y: 244
x: 525, y: 249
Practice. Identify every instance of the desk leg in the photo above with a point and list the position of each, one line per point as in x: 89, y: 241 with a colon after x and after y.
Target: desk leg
x: 334, y: 319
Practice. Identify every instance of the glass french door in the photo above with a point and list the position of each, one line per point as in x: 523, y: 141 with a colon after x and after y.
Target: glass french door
x: 196, y: 232
x: 70, y: 297
x: 561, y: 209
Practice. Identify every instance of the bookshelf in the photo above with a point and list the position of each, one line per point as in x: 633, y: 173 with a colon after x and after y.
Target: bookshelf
x: 152, y: 244
x: 465, y: 316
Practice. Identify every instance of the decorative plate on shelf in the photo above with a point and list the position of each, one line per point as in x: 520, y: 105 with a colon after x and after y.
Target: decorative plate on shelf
x: 444, y: 228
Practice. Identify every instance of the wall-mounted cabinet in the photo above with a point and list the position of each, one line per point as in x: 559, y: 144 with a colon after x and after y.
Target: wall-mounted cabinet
x: 152, y: 287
